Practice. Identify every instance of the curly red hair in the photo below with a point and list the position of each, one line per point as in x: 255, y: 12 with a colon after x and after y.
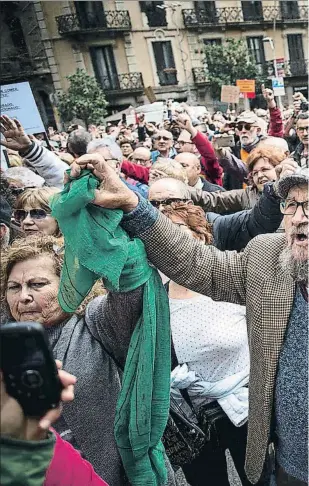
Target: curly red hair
x: 193, y: 217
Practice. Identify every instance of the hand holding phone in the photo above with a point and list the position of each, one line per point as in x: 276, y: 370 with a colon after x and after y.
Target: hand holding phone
x: 31, y: 383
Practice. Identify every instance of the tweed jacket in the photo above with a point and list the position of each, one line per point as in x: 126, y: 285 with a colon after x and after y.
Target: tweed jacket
x: 253, y: 278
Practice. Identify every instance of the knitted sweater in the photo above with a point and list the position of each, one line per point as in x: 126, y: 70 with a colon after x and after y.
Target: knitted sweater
x: 291, y: 394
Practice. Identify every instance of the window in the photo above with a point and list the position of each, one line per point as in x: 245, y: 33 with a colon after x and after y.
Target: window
x: 165, y: 63
x: 256, y: 49
x: 289, y: 9
x: 104, y: 67
x: 212, y: 42
x: 296, y: 51
x: 252, y: 10
x: 156, y: 16
x: 205, y: 11
x: 90, y: 14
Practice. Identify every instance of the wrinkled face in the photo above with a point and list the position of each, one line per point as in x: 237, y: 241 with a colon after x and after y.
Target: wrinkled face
x: 191, y: 167
x: 164, y: 141
x: 106, y: 153
x: 160, y: 193
x: 247, y: 133
x: 126, y: 149
x: 34, y: 226
x: 141, y: 156
x: 32, y: 291
x: 184, y: 144
x: 302, y: 129
x: 296, y: 226
x: 263, y: 171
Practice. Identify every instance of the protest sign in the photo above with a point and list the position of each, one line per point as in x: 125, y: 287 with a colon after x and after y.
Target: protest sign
x: 150, y: 94
x: 230, y: 94
x: 246, y: 85
x: 17, y: 101
x: 278, y: 86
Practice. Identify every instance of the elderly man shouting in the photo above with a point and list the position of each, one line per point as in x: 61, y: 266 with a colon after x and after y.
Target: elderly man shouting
x: 270, y: 278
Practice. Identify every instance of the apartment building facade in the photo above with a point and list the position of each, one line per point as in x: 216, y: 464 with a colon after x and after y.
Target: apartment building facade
x: 130, y: 45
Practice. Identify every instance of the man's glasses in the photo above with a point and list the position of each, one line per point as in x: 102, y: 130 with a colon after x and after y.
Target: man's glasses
x: 166, y: 139
x: 290, y: 207
x: 303, y: 129
x: 182, y: 143
x: 246, y: 126
x: 21, y: 214
x: 167, y: 202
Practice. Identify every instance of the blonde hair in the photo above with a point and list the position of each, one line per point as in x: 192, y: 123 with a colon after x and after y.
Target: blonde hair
x: 34, y: 247
x: 15, y: 160
x: 170, y: 168
x: 274, y: 156
x: 37, y: 197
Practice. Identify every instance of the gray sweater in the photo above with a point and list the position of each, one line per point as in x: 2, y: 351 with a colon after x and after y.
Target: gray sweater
x: 291, y: 394
x: 90, y: 347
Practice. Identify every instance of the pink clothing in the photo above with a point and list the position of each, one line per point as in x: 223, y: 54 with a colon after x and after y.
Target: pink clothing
x: 67, y: 468
x: 209, y: 162
x: 275, y: 123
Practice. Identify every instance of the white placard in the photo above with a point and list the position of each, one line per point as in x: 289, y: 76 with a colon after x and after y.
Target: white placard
x: 278, y: 86
x: 17, y: 101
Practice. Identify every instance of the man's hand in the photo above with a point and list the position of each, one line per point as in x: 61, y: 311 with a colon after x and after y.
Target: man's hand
x: 184, y: 122
x: 15, y: 136
x: 286, y: 167
x: 113, y: 193
x: 13, y: 421
x: 269, y: 97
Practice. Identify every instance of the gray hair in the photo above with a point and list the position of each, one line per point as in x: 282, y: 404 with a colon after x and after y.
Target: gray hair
x: 105, y: 142
x: 5, y: 239
x: 78, y: 141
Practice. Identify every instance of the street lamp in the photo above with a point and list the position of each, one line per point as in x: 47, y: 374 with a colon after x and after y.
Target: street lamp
x: 272, y: 46
x: 173, y: 7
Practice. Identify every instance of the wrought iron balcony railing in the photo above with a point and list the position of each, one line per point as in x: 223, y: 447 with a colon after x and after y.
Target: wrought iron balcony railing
x: 232, y: 16
x: 112, y: 20
x: 296, y: 68
x: 199, y: 75
x: 122, y: 82
x: 20, y: 67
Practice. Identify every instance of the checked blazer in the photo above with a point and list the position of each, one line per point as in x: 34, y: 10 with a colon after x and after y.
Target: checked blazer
x: 253, y: 278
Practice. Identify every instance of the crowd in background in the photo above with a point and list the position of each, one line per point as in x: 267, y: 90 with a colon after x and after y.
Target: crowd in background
x: 196, y: 190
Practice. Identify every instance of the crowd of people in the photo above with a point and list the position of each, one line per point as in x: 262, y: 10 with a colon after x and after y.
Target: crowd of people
x: 168, y: 265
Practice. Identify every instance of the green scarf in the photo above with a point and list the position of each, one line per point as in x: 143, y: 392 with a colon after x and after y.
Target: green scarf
x: 97, y: 247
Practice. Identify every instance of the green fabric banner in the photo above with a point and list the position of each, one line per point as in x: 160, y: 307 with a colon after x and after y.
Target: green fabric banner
x: 97, y: 247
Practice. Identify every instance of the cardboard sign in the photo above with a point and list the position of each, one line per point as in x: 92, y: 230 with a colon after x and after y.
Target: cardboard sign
x: 246, y: 85
x: 278, y: 86
x: 150, y: 94
x: 230, y: 94
x: 17, y: 101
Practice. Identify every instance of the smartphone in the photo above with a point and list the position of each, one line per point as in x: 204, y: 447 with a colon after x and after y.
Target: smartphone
x: 28, y: 367
x: 225, y: 141
x: 124, y: 119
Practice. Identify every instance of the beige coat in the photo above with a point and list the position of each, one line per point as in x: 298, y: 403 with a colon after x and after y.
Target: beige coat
x: 252, y: 278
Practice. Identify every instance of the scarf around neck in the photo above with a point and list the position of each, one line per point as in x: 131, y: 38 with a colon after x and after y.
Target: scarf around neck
x: 97, y: 247
x: 248, y: 148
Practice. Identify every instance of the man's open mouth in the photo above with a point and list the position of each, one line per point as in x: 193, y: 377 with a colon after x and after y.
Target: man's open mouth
x: 300, y: 237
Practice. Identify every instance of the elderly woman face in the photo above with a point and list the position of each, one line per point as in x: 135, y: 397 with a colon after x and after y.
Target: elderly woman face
x: 35, y: 221
x: 32, y: 290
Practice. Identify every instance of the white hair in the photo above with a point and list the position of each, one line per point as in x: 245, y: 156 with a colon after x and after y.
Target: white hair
x: 105, y: 142
x: 5, y: 239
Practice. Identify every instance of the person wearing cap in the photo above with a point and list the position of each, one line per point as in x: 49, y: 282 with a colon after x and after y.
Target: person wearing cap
x: 5, y: 222
x: 270, y: 277
x: 249, y: 128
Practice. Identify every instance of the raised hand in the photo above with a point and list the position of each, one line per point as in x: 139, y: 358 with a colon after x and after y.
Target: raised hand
x: 15, y: 136
x: 269, y: 96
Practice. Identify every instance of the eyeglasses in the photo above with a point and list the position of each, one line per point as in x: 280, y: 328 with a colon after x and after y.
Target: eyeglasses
x: 139, y: 161
x: 166, y: 139
x: 263, y: 170
x: 182, y: 143
x: 290, y: 207
x: 21, y: 214
x: 303, y: 129
x: 167, y: 202
x: 247, y: 126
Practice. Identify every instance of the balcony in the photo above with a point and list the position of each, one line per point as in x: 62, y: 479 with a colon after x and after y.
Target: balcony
x: 234, y: 17
x: 112, y: 21
x: 122, y: 83
x: 19, y: 67
x: 199, y: 76
x: 296, y: 68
